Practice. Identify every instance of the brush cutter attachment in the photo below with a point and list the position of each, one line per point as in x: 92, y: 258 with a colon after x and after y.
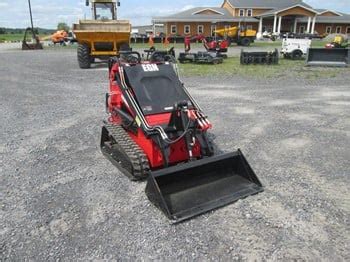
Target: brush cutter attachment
x: 268, y: 58
x: 187, y: 190
x: 334, y: 57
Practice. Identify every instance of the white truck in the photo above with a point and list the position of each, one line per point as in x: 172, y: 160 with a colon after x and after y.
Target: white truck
x: 295, y: 48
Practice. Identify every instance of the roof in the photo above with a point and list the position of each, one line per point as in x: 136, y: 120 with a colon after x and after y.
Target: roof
x: 216, y: 14
x: 268, y: 4
x: 342, y: 19
x: 279, y: 10
x: 322, y: 11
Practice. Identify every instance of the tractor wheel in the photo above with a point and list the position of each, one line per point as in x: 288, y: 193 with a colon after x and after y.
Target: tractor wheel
x: 84, y: 58
x: 297, y: 54
x: 245, y: 41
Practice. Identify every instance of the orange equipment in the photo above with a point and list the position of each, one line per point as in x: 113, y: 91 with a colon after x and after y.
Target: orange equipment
x: 60, y: 36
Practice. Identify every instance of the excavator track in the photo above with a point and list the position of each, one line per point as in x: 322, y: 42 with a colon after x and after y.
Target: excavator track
x: 123, y: 152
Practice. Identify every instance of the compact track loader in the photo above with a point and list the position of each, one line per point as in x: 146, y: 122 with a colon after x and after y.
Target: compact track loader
x: 155, y: 130
x: 212, y: 55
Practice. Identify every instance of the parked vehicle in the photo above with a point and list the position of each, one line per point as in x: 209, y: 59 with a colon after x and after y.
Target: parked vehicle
x: 156, y: 130
x: 103, y: 36
x: 295, y: 48
x: 239, y: 35
x: 339, y: 41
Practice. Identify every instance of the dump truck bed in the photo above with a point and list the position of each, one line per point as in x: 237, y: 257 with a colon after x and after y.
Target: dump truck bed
x: 104, y: 38
x: 115, y: 26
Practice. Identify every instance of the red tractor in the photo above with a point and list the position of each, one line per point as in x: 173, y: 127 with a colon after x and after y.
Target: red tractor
x: 216, y: 45
x: 156, y: 130
x: 219, y: 47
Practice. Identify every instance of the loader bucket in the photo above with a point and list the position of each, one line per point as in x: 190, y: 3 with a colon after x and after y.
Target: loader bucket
x: 190, y: 189
x: 337, y: 57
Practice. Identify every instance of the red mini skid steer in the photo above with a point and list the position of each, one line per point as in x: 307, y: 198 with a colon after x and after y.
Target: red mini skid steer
x: 156, y: 130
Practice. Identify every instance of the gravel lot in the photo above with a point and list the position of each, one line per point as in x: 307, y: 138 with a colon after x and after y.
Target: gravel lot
x: 60, y: 199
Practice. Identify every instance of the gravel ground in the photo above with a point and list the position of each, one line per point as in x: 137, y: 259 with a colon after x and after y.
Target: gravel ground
x: 234, y: 50
x: 60, y: 199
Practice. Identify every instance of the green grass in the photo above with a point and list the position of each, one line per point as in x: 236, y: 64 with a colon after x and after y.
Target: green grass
x: 257, y: 44
x: 11, y: 37
x: 14, y: 37
x: 285, y: 68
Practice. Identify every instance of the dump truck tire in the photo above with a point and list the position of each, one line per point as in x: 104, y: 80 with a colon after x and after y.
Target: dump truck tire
x: 245, y: 42
x: 125, y: 47
x: 84, y: 58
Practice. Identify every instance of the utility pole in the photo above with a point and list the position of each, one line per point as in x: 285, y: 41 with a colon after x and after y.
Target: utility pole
x: 31, y: 16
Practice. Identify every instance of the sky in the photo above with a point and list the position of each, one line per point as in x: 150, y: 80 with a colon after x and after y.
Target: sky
x: 48, y: 13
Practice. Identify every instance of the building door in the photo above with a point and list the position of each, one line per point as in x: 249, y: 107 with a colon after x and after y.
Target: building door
x: 302, y: 29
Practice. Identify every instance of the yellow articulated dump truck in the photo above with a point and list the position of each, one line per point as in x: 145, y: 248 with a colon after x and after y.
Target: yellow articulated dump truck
x: 103, y: 36
x: 238, y: 35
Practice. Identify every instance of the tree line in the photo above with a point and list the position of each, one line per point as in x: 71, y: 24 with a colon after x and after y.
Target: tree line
x: 37, y: 30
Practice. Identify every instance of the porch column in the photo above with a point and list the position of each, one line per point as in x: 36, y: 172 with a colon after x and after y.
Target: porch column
x: 275, y: 24
x: 279, y: 24
x: 260, y: 25
x: 308, y: 25
x: 313, y: 25
x: 154, y: 29
x: 295, y: 25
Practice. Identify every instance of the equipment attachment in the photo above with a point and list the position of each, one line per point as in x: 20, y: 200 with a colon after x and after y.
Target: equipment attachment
x: 269, y: 58
x: 334, y: 57
x: 36, y: 42
x: 201, y: 58
x: 190, y: 189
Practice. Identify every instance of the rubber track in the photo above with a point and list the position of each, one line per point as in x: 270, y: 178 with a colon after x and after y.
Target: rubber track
x: 137, y: 165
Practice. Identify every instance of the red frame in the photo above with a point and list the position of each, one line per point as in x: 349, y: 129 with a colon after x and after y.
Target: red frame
x: 178, y: 150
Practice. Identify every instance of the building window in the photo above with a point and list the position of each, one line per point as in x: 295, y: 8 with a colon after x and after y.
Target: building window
x: 187, y: 29
x: 241, y: 12
x: 348, y: 30
x: 173, y: 29
x: 213, y: 28
x: 249, y: 27
x: 249, y: 12
x: 302, y: 29
x: 338, y: 30
x: 200, y: 29
x: 328, y: 29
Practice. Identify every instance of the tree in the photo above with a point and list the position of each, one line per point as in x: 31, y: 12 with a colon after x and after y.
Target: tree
x: 2, y: 31
x: 63, y: 26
